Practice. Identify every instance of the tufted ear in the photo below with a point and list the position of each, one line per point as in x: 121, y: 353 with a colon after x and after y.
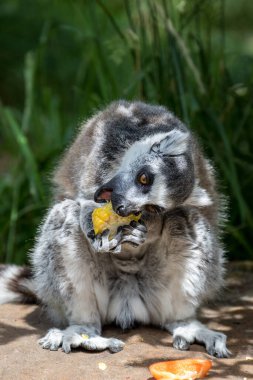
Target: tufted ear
x: 199, y: 197
x: 174, y: 144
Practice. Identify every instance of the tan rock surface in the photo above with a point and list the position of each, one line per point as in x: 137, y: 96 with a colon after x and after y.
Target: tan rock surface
x: 21, y: 358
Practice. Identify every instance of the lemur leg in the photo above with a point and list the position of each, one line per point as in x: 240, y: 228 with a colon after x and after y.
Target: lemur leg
x: 187, y: 332
x: 64, y: 277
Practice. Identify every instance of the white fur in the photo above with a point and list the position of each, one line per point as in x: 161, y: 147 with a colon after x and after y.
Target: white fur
x: 6, y: 295
x: 102, y: 297
x: 192, y: 284
x: 125, y: 111
x: 136, y: 308
x: 181, y: 163
x: 140, y: 310
x: 136, y: 197
x: 83, y: 290
x: 159, y: 192
x: 199, y: 197
x: 88, y: 164
x: 174, y: 143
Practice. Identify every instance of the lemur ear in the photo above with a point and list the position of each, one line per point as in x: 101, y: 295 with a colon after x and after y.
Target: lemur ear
x: 174, y: 144
x: 199, y: 197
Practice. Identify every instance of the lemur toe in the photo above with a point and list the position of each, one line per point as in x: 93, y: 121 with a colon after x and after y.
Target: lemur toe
x: 181, y: 343
x: 116, y: 345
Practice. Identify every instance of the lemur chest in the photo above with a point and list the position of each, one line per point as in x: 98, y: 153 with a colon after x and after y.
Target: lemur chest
x: 146, y: 300
x: 127, y: 303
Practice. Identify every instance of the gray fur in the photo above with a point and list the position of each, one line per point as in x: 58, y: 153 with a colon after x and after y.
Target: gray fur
x: 158, y: 271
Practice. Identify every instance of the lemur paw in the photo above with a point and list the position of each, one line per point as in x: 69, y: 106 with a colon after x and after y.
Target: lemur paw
x: 216, y: 345
x: 76, y: 336
x: 188, y: 332
x: 99, y: 343
x: 134, y: 233
x: 181, y: 343
x: 52, y: 340
x: 102, y: 243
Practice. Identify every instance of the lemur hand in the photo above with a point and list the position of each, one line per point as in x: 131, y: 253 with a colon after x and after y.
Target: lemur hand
x: 134, y: 234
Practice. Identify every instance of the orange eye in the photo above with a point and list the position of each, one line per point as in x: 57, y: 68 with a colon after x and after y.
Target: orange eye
x: 143, y: 179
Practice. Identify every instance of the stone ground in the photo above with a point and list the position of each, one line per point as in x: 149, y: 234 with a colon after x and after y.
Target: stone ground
x: 21, y: 358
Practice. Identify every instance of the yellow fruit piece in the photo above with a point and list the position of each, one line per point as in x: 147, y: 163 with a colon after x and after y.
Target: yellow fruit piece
x: 104, y: 218
x: 102, y: 366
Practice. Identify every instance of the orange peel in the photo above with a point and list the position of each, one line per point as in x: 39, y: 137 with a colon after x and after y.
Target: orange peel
x: 185, y: 369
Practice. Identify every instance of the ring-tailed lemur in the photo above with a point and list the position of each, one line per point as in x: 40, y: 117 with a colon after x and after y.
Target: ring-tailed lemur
x: 157, y: 271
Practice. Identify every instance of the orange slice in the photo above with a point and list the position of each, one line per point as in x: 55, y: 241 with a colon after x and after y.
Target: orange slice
x: 186, y: 369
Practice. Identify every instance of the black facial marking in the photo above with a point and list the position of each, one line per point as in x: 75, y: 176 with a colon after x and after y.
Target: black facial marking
x: 121, y: 131
x: 179, y: 182
x: 153, y: 209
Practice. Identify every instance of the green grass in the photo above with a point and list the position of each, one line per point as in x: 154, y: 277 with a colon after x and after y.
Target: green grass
x: 62, y: 60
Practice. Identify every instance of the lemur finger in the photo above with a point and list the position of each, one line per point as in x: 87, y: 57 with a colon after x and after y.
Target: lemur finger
x: 139, y: 225
x: 180, y: 343
x: 115, y: 345
x: 91, y: 234
x: 86, y: 223
x: 114, y: 243
x: 99, y: 343
x: 129, y: 230
x: 66, y: 347
x: 102, y: 243
x: 98, y: 242
x: 52, y: 340
x: 105, y: 243
x: 133, y: 239
x: 116, y: 249
x: 71, y: 340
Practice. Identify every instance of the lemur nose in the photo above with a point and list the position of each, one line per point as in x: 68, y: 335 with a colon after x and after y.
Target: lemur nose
x: 121, y: 210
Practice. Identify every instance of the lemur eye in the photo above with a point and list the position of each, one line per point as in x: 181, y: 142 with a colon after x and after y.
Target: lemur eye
x: 143, y: 179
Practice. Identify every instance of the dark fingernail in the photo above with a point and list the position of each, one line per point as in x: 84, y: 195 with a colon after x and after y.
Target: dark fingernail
x: 105, y: 232
x: 133, y: 223
x: 91, y: 234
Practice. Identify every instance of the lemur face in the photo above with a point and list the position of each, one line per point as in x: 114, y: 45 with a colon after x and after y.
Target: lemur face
x: 155, y: 174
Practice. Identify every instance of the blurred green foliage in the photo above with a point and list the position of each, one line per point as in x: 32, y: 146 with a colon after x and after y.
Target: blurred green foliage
x: 61, y: 60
